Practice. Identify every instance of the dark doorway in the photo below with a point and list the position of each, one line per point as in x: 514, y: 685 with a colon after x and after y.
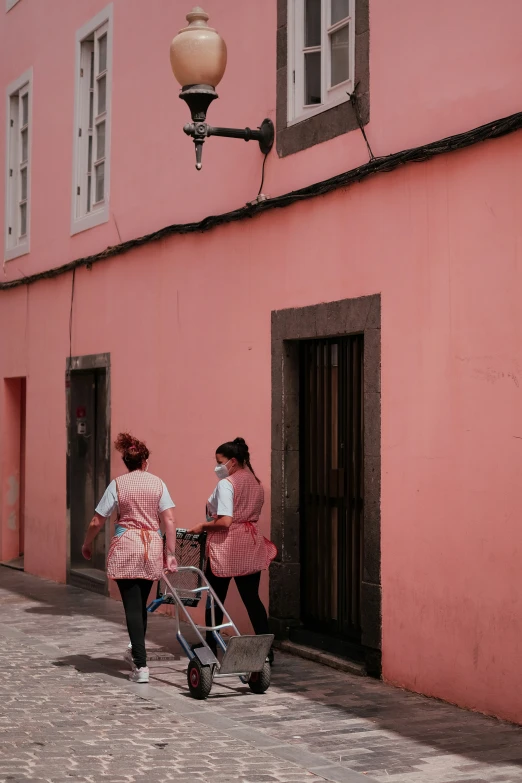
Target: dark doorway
x: 325, y: 589
x: 332, y: 477
x: 23, y: 419
x: 13, y: 457
x: 88, y: 469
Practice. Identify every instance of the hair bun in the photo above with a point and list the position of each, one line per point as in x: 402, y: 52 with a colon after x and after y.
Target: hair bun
x: 133, y: 451
x: 242, y: 448
x: 124, y: 441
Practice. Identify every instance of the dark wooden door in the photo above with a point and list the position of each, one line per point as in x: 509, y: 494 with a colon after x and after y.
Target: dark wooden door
x: 88, y: 463
x: 332, y: 485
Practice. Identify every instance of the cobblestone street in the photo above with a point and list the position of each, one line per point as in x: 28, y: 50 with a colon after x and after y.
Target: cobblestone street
x: 69, y: 713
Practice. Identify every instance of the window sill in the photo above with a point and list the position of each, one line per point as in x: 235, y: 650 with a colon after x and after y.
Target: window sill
x: 332, y: 122
x: 90, y: 221
x: 16, y: 252
x: 308, y: 114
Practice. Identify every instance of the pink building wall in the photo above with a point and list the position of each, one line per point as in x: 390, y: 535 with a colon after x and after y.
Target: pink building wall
x: 187, y: 320
x: 432, y: 74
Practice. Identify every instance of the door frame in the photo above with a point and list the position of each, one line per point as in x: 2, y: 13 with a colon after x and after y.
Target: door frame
x: 98, y: 361
x: 361, y: 315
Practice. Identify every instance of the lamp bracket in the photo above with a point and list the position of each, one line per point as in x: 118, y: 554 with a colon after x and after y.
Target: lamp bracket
x: 198, y: 98
x: 200, y: 131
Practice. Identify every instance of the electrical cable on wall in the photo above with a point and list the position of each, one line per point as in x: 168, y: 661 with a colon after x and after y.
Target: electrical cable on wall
x: 460, y: 141
x: 354, y: 100
x: 262, y: 176
x: 71, y: 318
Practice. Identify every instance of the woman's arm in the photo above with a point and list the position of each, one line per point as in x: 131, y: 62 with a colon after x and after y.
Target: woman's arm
x: 223, y: 504
x: 221, y: 523
x: 96, y: 524
x: 103, y: 511
x: 169, y: 526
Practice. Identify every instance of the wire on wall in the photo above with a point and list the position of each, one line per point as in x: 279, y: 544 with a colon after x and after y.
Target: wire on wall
x: 71, y: 317
x: 492, y: 130
x: 354, y: 100
x: 262, y: 175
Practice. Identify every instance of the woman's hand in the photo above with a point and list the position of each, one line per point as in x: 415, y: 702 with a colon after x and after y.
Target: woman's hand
x: 96, y: 524
x: 197, y: 529
x: 172, y: 565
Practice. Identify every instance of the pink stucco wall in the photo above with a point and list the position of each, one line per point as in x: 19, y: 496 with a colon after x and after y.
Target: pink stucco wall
x: 187, y: 321
x: 432, y: 74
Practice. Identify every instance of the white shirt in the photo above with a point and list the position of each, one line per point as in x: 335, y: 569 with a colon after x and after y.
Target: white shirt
x: 221, y: 501
x: 109, y: 501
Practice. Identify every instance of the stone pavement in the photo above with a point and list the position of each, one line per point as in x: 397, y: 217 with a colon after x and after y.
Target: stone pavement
x: 68, y: 713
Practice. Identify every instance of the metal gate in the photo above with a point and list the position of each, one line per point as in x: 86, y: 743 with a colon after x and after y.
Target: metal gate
x: 332, y: 485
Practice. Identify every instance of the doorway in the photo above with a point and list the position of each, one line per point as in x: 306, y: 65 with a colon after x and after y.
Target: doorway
x: 88, y: 465
x: 325, y: 583
x: 13, y: 459
x: 332, y: 490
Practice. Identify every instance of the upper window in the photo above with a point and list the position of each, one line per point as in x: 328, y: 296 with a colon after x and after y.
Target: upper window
x: 18, y: 169
x: 322, y: 57
x: 92, y: 123
x: 321, y: 46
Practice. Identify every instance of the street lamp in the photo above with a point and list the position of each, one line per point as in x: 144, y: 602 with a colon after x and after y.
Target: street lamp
x: 198, y: 56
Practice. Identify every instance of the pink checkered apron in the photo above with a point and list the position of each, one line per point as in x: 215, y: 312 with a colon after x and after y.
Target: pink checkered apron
x: 242, y: 549
x: 138, y: 552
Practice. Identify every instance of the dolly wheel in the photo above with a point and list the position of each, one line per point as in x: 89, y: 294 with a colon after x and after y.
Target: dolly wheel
x: 199, y: 679
x: 259, y: 682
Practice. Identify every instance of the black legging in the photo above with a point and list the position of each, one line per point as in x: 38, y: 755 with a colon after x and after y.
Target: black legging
x: 134, y: 594
x: 248, y: 587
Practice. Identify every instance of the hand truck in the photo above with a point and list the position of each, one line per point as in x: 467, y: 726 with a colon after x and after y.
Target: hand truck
x: 244, y: 656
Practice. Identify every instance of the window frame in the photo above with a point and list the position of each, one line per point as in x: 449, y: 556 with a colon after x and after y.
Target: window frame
x: 333, y: 121
x: 88, y: 213
x: 14, y: 166
x: 331, y: 96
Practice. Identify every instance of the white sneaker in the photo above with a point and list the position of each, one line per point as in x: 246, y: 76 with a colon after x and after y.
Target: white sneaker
x: 139, y: 675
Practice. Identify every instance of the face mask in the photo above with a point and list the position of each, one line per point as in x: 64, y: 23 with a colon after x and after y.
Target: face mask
x: 221, y: 471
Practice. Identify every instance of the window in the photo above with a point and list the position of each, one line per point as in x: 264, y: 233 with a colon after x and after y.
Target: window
x: 92, y: 123
x: 321, y: 47
x: 18, y: 167
x: 322, y: 56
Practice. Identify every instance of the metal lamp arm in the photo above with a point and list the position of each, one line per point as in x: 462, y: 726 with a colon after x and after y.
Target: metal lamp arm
x: 201, y: 130
x: 235, y: 133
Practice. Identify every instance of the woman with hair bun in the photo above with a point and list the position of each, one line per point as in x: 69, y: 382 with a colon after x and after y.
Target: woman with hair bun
x: 136, y: 555
x: 236, y: 549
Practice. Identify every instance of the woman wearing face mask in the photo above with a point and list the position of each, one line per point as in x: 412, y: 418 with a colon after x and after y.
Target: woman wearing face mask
x: 135, y: 558
x: 236, y: 549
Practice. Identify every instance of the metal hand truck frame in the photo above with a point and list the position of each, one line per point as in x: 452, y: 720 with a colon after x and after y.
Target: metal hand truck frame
x: 244, y: 656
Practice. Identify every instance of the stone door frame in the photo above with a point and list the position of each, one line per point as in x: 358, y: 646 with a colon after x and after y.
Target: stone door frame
x: 332, y: 319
